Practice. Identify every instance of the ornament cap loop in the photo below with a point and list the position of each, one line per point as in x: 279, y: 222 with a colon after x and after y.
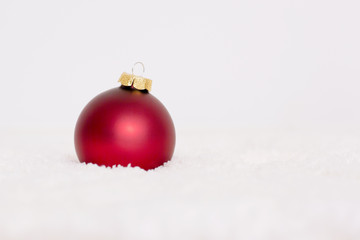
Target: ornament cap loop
x: 138, y: 82
x: 143, y: 68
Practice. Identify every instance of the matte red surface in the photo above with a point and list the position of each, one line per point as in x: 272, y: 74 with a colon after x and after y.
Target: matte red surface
x: 125, y: 126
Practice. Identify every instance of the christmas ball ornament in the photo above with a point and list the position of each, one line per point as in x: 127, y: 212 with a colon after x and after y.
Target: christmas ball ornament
x: 125, y: 126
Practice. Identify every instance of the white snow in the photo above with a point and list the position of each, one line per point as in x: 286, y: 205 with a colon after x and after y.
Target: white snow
x: 221, y: 184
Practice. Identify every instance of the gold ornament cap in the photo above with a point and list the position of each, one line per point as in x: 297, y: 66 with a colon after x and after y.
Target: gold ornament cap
x: 138, y: 82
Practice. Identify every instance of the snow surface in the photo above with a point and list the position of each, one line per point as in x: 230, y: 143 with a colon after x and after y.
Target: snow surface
x: 243, y: 184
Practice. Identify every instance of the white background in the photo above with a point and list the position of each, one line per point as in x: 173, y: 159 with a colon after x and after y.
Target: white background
x: 286, y: 74
x: 213, y: 63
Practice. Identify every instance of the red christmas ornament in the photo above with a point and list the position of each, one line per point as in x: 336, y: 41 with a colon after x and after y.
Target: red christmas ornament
x: 125, y: 125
